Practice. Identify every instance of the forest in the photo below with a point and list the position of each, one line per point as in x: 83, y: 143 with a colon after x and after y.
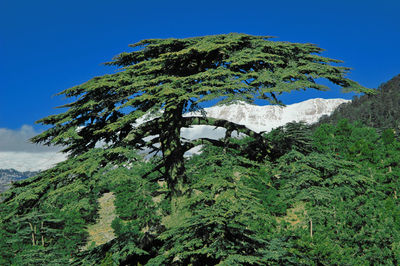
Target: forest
x: 301, y: 194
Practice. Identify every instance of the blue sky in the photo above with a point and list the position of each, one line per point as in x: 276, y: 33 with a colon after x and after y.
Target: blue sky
x: 48, y: 46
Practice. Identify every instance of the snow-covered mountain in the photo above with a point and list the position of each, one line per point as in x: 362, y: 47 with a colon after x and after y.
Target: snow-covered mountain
x: 258, y: 118
x: 265, y: 118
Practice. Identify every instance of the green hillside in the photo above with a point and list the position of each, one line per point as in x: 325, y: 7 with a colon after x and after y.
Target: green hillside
x: 381, y: 110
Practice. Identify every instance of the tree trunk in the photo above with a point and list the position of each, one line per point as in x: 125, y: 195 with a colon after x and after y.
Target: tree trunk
x: 172, y: 150
x: 33, y: 234
x: 42, y: 229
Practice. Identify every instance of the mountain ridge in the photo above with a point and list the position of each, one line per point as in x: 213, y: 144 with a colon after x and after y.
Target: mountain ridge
x: 8, y: 176
x: 265, y: 118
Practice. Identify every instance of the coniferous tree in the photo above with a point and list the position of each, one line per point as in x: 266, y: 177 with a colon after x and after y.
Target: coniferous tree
x: 177, y: 76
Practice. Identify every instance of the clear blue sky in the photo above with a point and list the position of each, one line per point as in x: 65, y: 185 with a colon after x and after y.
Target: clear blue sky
x: 48, y: 46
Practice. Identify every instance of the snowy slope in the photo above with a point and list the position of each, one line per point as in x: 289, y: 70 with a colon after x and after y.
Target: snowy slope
x: 265, y: 118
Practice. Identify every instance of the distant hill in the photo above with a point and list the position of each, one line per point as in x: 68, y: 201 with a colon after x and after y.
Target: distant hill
x: 7, y: 176
x: 381, y: 110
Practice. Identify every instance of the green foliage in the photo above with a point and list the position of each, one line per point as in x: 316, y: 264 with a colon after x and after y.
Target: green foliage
x: 107, y: 261
x: 292, y: 136
x: 136, y: 203
x: 352, y: 142
x: 345, y: 197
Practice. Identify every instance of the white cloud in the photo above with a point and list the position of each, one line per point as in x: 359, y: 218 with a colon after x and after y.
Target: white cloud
x: 18, y: 141
x: 17, y: 152
x: 30, y: 161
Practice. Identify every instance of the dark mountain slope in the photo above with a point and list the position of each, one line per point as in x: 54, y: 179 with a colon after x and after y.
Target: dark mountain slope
x: 381, y: 110
x: 8, y: 176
